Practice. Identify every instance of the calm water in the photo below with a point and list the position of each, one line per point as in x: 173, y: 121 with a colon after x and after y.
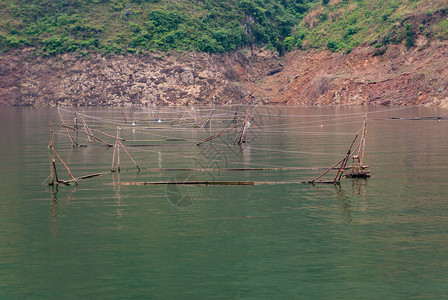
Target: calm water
x: 381, y: 238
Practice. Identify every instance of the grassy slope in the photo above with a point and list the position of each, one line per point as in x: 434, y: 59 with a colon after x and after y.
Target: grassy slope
x: 120, y: 26
x: 342, y: 25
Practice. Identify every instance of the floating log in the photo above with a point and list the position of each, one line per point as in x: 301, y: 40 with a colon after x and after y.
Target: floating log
x: 85, y: 177
x: 151, y: 145
x: 325, y: 182
x: 233, y: 169
x: 189, y: 183
x: 205, y: 182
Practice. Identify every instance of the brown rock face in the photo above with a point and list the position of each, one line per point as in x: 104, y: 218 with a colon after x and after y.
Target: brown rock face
x: 392, y: 75
x: 181, y: 79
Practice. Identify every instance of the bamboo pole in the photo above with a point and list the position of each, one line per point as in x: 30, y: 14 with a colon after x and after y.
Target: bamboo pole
x: 219, y: 134
x: 87, y: 176
x: 113, y: 156
x: 86, y: 128
x: 344, y: 162
x: 68, y: 170
x: 341, y: 161
x: 239, y: 138
x: 104, y: 133
x: 66, y: 129
x: 363, y: 142
x: 192, y: 183
x: 129, y: 155
x: 117, y: 151
x: 54, y: 174
x: 88, y: 134
x: 75, y: 126
x: 329, y: 169
x: 208, y: 120
x: 240, y: 135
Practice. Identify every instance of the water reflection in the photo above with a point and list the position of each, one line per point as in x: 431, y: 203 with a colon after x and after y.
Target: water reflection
x: 117, y: 188
x: 357, y: 200
x: 351, y: 198
x: 54, y: 206
x: 345, y: 203
x: 54, y: 190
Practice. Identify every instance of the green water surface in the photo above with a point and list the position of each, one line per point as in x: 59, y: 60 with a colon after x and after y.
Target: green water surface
x: 381, y: 238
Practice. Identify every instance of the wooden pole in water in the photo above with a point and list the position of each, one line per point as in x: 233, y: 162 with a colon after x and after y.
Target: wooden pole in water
x: 75, y: 126
x: 54, y: 174
x: 113, y: 156
x: 363, y: 142
x: 117, y: 146
x: 239, y: 138
x: 106, y: 134
x: 344, y: 162
x: 66, y: 129
x: 329, y: 169
x: 88, y: 134
x: 128, y: 155
x: 219, y: 134
x: 53, y: 152
x: 208, y: 121
x: 86, y: 128
x: 66, y: 167
x: 118, y: 149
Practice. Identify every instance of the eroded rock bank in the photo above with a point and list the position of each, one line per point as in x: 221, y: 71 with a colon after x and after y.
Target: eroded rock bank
x: 188, y: 78
x: 392, y: 75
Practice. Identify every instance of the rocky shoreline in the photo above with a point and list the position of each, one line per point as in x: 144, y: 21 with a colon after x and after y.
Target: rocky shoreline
x: 393, y: 75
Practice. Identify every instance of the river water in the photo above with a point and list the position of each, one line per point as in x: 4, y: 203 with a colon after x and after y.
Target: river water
x: 381, y: 238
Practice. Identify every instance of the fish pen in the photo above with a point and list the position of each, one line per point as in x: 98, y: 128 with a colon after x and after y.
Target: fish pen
x: 215, y: 131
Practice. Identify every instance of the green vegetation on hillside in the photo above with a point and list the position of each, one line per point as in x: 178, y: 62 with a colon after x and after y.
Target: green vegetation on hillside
x: 127, y: 26
x: 120, y: 26
x: 341, y: 25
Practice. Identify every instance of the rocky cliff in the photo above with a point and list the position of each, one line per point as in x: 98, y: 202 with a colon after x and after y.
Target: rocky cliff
x: 392, y: 75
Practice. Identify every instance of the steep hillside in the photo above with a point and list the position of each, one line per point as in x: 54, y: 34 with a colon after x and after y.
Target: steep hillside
x: 398, y: 77
x: 340, y: 25
x: 173, y: 52
x: 129, y: 26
